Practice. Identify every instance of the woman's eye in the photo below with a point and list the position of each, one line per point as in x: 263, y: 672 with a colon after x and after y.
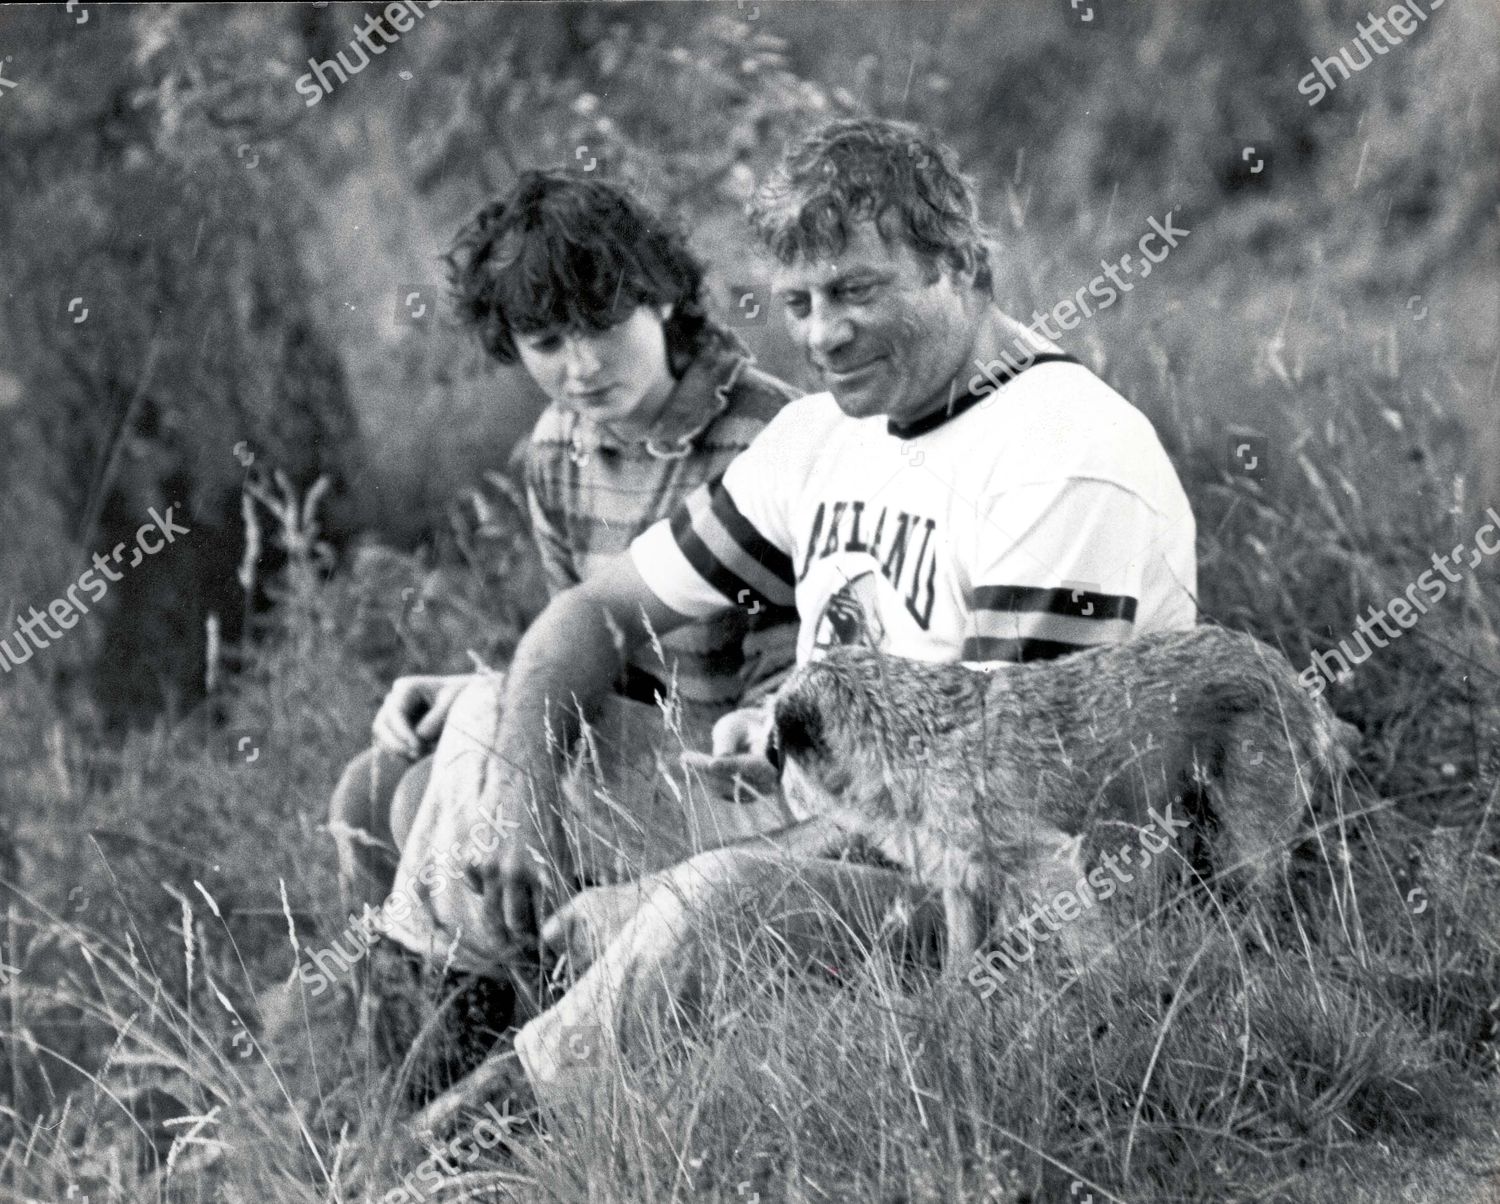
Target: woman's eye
x: 857, y: 293
x: 545, y: 345
x: 797, y: 307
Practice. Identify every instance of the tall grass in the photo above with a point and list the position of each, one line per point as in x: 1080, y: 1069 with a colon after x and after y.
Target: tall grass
x: 1348, y: 1053
x: 1345, y: 1051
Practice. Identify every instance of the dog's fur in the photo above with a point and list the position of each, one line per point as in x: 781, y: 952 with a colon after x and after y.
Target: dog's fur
x: 984, y: 783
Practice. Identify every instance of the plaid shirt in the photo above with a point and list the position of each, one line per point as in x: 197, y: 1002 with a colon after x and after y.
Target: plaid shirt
x: 591, y: 493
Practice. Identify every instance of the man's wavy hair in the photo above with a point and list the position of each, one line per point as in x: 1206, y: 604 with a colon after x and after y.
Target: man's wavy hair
x: 563, y: 251
x: 895, y: 174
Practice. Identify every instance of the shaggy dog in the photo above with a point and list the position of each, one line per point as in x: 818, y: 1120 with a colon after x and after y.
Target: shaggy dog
x: 995, y: 784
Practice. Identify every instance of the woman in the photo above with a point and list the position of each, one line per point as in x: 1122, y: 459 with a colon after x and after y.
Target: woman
x: 600, y: 302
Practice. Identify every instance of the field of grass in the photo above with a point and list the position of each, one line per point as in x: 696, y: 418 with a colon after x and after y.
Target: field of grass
x: 1349, y: 1051
x: 1350, y: 1057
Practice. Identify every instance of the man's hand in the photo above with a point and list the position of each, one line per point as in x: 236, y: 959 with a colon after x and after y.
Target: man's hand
x: 743, y: 731
x: 529, y: 878
x: 413, y: 712
x: 739, y: 768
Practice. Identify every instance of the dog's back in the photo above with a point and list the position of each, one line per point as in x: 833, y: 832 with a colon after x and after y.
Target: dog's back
x: 988, y: 771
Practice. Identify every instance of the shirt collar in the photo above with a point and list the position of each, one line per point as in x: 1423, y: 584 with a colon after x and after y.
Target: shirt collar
x: 933, y: 419
x: 699, y: 397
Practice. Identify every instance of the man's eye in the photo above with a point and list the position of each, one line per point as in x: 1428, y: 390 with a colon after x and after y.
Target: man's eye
x: 856, y: 294
x: 797, y: 306
x: 546, y: 344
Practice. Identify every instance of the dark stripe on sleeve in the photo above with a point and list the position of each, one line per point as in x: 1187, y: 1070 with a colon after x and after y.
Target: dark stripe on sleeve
x: 756, y: 546
x: 1017, y: 651
x: 769, y: 616
x: 1079, y: 603
x: 704, y: 562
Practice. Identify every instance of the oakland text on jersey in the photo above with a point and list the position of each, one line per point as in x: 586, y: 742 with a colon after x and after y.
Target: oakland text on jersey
x: 847, y: 525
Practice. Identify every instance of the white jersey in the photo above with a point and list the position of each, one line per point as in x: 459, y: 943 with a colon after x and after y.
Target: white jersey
x: 1023, y: 525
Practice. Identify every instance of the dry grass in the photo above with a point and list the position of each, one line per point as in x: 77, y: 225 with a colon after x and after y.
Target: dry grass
x: 1334, y: 1056
x: 1343, y: 1052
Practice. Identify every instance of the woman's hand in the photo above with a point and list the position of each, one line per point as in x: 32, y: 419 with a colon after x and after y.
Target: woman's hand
x: 414, y: 710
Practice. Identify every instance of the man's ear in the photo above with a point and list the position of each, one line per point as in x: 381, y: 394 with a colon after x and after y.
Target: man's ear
x: 967, y: 270
x: 665, y: 310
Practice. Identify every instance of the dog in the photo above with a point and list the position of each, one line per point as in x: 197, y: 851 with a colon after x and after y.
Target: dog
x: 998, y: 783
x: 988, y: 783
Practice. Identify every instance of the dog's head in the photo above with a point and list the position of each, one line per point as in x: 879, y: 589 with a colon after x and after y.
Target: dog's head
x: 861, y: 731
x: 832, y: 733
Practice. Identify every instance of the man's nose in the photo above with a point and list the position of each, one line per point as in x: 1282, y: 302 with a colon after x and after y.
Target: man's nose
x: 826, y: 331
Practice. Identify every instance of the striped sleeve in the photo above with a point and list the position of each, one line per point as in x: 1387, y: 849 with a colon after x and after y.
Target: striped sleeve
x: 709, y: 554
x: 1058, y: 568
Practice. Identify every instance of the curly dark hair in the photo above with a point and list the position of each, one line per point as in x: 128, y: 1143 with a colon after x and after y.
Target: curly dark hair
x: 898, y: 175
x: 563, y: 250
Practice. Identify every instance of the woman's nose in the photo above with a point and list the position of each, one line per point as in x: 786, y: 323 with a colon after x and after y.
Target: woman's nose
x: 582, y: 359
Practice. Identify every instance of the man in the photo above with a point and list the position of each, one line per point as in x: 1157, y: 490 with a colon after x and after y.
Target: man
x: 935, y: 499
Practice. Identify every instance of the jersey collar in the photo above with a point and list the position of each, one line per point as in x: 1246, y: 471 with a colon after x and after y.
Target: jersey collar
x: 933, y: 419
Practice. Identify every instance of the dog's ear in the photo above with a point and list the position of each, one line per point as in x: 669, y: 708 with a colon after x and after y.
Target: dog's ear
x: 799, y: 726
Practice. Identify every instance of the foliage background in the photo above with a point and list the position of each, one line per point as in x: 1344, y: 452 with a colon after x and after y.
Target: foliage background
x: 243, y: 258
x: 233, y: 302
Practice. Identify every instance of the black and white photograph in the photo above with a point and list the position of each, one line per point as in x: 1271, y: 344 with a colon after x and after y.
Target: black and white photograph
x: 750, y: 601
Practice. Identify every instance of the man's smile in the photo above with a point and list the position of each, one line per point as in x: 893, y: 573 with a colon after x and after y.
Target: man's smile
x: 852, y: 374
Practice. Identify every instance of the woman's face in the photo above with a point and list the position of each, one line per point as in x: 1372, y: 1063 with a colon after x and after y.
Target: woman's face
x: 618, y: 377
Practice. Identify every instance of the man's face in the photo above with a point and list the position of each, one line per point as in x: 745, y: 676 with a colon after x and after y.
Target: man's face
x: 883, y: 334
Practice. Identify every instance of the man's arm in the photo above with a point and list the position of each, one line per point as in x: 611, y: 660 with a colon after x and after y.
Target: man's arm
x: 1058, y: 568
x: 565, y: 664
x: 724, y: 545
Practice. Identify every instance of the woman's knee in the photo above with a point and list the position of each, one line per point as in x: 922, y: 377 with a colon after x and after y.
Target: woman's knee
x: 695, y: 896
x: 408, y: 800
x: 362, y: 798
